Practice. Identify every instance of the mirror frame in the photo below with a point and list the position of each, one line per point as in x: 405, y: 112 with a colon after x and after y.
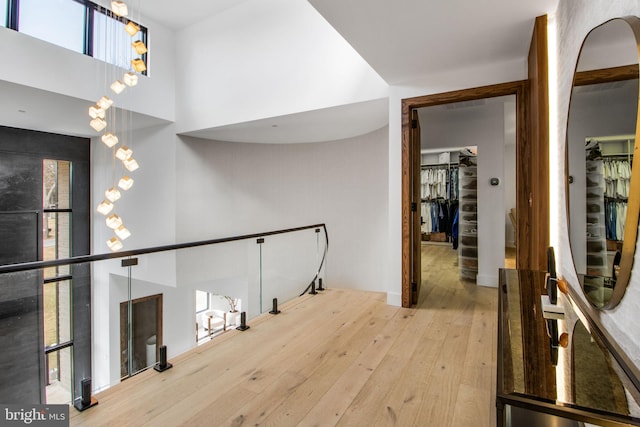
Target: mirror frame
x: 607, y: 75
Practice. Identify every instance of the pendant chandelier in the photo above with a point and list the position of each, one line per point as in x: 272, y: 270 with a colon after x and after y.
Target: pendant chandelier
x: 104, y: 119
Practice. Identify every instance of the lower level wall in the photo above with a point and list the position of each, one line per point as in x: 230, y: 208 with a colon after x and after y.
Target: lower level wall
x: 226, y: 189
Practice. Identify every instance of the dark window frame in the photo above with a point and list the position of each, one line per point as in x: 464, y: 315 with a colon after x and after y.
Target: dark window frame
x: 13, y: 22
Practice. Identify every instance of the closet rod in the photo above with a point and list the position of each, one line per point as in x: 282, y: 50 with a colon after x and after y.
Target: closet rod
x: 612, y: 138
x: 616, y: 156
x: 439, y: 166
x: 616, y: 199
x: 438, y: 199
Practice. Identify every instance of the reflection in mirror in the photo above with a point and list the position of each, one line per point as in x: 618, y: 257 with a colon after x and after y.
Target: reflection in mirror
x: 596, y: 383
x: 600, y: 145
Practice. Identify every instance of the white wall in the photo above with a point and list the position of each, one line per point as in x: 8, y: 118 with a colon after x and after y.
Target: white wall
x: 39, y: 64
x: 481, y: 126
x: 509, y: 182
x: 574, y: 19
x: 233, y: 188
x: 266, y: 58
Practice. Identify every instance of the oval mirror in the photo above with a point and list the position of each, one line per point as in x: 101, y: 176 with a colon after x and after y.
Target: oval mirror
x: 603, y: 195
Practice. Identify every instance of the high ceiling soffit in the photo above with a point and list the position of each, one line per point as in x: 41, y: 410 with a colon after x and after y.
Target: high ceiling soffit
x: 404, y: 40
x: 407, y: 40
x: 328, y: 124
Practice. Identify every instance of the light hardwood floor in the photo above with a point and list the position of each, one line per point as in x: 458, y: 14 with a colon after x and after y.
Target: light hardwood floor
x: 342, y: 358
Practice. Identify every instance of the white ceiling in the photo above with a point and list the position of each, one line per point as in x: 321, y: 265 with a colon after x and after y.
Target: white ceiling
x: 403, y: 40
x: 30, y: 108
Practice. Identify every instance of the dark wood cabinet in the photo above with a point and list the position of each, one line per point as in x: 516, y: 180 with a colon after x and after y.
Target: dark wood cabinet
x: 556, y: 370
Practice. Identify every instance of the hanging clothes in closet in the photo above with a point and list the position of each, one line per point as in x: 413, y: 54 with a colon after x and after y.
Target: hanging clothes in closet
x: 434, y: 182
x: 439, y: 192
x: 615, y: 217
x: 438, y: 215
x: 617, y: 176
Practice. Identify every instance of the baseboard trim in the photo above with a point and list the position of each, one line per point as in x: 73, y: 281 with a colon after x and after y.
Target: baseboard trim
x: 488, y: 281
x: 394, y: 298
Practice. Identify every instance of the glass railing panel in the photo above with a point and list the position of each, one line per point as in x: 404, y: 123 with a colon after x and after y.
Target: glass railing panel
x: 181, y: 298
x: 289, y: 263
x: 104, y: 321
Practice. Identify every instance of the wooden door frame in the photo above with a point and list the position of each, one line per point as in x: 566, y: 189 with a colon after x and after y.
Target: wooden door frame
x: 521, y: 91
x: 159, y: 321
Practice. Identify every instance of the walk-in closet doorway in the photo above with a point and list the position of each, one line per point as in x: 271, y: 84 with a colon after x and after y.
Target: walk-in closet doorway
x: 492, y: 120
x: 467, y: 185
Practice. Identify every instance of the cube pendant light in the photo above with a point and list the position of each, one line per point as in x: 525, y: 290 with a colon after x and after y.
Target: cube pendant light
x: 118, y: 86
x: 114, y: 244
x: 138, y: 65
x: 112, y: 194
x: 130, y: 79
x: 105, y: 207
x: 139, y: 47
x: 98, y: 124
x: 131, y: 28
x: 124, y: 153
x: 105, y: 102
x: 109, y: 139
x: 122, y: 232
x: 125, y: 183
x: 113, y: 221
x: 119, y: 8
x: 96, y: 111
x: 131, y: 164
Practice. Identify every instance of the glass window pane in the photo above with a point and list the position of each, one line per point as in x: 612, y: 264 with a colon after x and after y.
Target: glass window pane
x: 64, y: 184
x: 56, y: 184
x: 3, y: 12
x: 49, y: 184
x: 111, y: 43
x: 202, y: 301
x: 57, y: 312
x: 59, y: 379
x: 57, y: 241
x: 57, y: 21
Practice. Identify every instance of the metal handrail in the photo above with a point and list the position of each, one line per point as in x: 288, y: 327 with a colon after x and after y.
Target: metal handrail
x: 324, y: 256
x: 13, y: 268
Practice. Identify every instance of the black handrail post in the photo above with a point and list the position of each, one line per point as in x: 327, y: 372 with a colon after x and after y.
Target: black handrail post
x: 313, y: 288
x: 86, y: 400
x: 243, y: 322
x: 163, y: 365
x: 320, y: 288
x: 275, y: 310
